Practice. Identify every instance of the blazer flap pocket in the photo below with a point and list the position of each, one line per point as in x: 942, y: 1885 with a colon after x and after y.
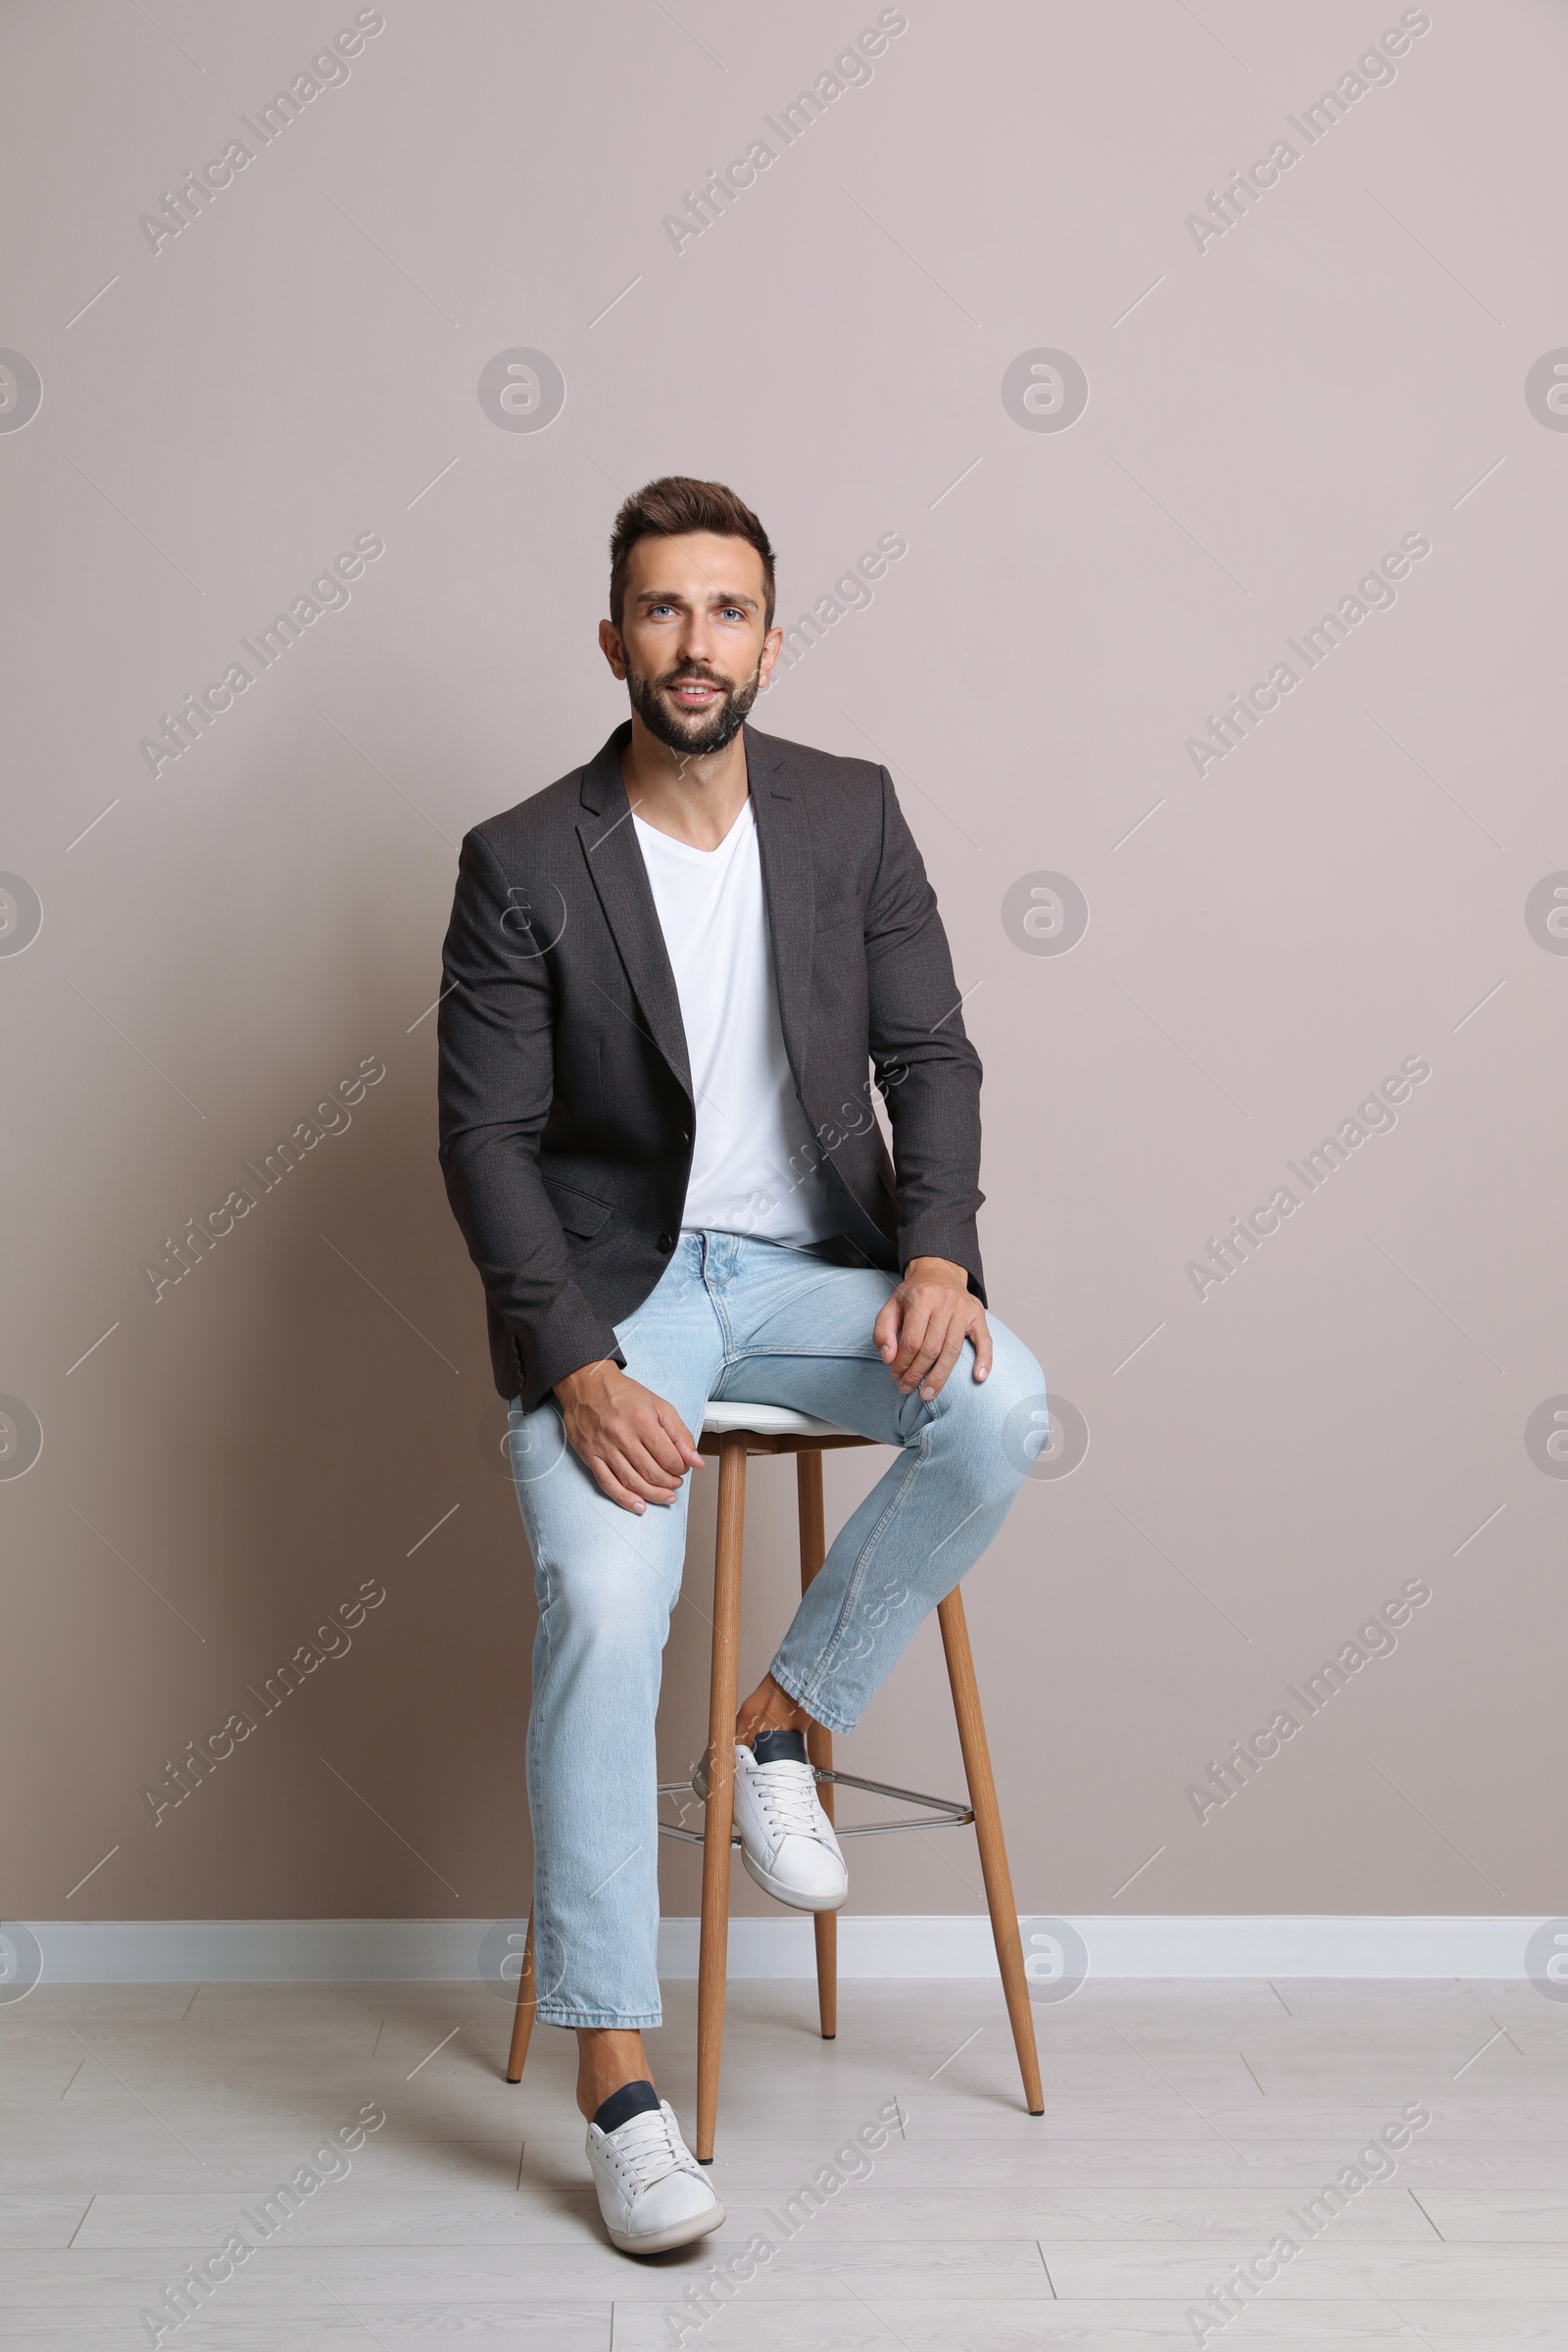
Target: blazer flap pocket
x: 579, y: 1212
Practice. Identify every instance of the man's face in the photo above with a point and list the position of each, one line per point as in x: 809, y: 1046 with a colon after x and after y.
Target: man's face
x: 692, y: 644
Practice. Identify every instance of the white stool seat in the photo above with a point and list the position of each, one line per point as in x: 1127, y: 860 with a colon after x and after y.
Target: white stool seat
x: 768, y: 1420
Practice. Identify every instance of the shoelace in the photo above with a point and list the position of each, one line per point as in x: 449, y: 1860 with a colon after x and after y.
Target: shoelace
x: 787, y: 1792
x: 649, y: 2148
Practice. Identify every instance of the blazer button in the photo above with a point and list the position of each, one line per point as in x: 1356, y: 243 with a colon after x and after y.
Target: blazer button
x: 666, y: 1241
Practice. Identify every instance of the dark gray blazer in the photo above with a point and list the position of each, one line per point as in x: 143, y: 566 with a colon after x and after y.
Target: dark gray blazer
x: 565, y: 1097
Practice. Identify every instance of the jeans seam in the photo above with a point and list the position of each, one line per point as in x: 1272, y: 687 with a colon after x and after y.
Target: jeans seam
x: 726, y: 1331
x: 846, y: 1356
x: 544, y: 1917
x: 858, y: 1572
x: 627, y: 2021
x: 829, y: 1718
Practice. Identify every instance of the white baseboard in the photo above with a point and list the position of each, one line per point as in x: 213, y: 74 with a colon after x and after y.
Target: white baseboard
x: 417, y: 1950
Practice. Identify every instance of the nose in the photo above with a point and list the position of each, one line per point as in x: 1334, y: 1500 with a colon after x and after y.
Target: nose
x: 697, y: 646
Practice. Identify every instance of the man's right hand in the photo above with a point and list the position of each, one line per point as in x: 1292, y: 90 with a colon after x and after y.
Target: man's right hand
x: 636, y: 1445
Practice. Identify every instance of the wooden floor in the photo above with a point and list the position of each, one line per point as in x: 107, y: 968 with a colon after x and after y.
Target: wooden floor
x: 1185, y: 2121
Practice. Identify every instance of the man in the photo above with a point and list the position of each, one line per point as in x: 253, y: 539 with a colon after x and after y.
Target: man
x: 671, y: 981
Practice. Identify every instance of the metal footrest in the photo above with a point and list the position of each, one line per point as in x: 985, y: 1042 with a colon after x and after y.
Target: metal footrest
x: 942, y: 1812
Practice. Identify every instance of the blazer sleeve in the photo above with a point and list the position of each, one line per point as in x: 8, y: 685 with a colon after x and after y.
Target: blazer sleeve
x: 928, y: 1071
x: 497, y: 1064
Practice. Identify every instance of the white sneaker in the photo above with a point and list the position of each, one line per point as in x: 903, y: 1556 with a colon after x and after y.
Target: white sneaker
x: 652, y: 2192
x: 787, y: 1840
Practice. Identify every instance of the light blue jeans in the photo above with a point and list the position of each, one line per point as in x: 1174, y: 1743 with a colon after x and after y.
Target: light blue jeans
x: 746, y: 1321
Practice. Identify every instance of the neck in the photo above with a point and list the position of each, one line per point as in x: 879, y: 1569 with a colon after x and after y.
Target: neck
x: 693, y: 800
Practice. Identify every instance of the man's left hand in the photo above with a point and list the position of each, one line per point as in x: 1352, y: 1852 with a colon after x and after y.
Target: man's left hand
x: 924, y: 1324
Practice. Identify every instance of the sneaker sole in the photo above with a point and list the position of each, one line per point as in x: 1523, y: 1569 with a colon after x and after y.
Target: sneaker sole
x: 787, y: 1894
x: 662, y: 2241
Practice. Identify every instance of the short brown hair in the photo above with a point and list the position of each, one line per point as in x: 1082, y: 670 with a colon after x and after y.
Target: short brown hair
x: 670, y: 508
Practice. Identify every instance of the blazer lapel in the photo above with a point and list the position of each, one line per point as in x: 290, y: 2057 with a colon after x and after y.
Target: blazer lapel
x: 621, y: 878
x: 787, y: 889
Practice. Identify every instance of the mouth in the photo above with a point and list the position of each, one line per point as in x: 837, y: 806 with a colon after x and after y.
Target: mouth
x: 694, y: 693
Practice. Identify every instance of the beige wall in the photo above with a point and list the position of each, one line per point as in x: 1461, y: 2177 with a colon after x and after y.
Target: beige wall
x: 1266, y: 941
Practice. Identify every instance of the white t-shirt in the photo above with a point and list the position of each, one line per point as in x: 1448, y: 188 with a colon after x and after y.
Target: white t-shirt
x: 756, y: 1167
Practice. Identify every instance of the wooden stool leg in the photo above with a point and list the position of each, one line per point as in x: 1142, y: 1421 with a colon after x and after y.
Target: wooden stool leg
x: 723, y: 1698
x: 818, y: 1743
x: 992, y: 1851
x: 522, y: 2018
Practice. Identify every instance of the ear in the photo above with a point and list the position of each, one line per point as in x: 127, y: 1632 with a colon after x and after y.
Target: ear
x: 609, y: 646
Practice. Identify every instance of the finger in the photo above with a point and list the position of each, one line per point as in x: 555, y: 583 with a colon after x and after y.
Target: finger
x: 673, y: 1428
x: 640, y: 1470
x: 919, y: 1344
x: 931, y: 1386
x: 617, y: 1452
x: 643, y: 1434
x: 912, y: 1322
x: 885, y: 1330
x: 980, y: 1333
x: 679, y: 1434
x: 945, y: 1327
x: 646, y: 1482
x: 919, y: 1372
x: 609, y: 1484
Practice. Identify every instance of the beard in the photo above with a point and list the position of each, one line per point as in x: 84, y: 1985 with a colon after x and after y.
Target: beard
x: 697, y: 733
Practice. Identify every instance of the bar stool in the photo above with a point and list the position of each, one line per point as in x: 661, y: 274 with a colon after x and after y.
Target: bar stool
x: 733, y: 1432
